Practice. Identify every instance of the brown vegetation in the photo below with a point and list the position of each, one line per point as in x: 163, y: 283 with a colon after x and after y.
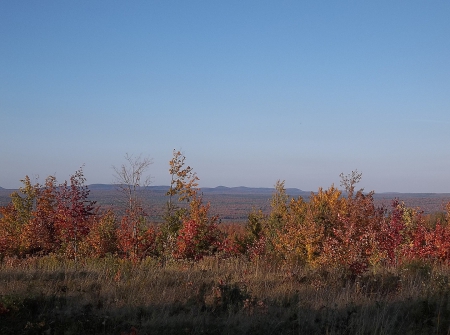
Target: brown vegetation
x: 235, y: 296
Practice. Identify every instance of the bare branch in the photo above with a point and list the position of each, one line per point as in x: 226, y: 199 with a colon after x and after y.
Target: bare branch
x: 130, y: 178
x: 349, y: 181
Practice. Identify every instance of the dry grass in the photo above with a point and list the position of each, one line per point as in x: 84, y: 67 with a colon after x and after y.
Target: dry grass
x: 233, y: 296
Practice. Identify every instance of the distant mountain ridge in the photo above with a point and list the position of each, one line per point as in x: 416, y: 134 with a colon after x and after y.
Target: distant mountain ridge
x: 214, y: 190
x: 250, y: 190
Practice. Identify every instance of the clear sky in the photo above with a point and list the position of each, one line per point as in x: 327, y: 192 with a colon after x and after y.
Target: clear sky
x: 250, y: 91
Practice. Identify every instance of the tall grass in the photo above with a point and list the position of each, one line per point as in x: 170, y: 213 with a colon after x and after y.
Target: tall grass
x: 215, y: 296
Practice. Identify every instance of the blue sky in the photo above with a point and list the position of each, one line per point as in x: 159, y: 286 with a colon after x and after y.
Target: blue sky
x: 250, y: 91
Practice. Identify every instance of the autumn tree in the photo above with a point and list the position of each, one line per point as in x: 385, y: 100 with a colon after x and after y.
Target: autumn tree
x: 329, y: 230
x: 10, y: 231
x: 47, y: 218
x: 183, y: 188
x: 74, y: 213
x: 40, y: 234
x: 102, y: 238
x: 132, y: 180
x: 197, y: 239
x: 352, y: 243
x: 199, y: 234
x: 15, y: 217
x: 253, y: 241
x: 24, y: 201
x: 189, y: 231
x: 279, y: 208
x: 319, y: 218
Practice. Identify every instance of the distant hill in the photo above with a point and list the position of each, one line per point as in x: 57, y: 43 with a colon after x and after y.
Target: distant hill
x: 250, y: 190
x: 211, y: 190
x: 102, y: 187
x: 112, y: 187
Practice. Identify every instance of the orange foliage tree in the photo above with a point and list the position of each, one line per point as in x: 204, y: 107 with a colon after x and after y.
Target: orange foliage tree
x: 40, y: 235
x: 199, y: 234
x: 102, y: 238
x: 15, y: 217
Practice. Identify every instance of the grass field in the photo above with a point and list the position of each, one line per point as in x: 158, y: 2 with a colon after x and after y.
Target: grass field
x: 233, y: 296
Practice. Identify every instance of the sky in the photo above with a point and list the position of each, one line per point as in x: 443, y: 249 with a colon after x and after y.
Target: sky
x: 250, y: 91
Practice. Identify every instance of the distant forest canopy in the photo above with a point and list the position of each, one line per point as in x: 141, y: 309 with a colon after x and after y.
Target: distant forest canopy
x: 234, y: 203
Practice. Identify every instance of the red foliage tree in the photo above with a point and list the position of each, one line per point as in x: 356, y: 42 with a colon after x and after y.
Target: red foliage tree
x: 430, y: 243
x: 197, y: 239
x: 74, y: 213
x: 135, y: 239
x: 199, y: 235
x: 390, y: 235
x: 9, y: 231
x: 353, y: 239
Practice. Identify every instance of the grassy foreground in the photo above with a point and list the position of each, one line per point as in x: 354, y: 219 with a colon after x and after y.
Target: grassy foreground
x: 234, y: 296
